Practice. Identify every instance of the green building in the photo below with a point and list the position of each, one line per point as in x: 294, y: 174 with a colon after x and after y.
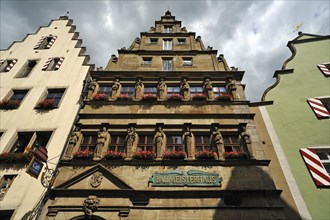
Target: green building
x: 299, y: 122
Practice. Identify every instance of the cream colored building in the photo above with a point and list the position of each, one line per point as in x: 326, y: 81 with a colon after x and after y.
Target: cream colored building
x: 41, y: 80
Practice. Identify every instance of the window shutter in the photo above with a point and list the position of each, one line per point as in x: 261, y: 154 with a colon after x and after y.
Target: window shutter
x: 324, y: 69
x: 59, y: 63
x: 11, y: 64
x: 315, y: 167
x: 39, y: 42
x: 45, y: 66
x: 319, y: 109
x: 51, y: 42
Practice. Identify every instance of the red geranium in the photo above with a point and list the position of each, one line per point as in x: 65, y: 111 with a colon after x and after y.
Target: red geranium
x: 114, y: 155
x: 46, y: 104
x: 175, y: 155
x: 100, y: 96
x: 205, y: 155
x: 235, y: 155
x: 83, y: 154
x: 199, y: 96
x: 144, y: 155
x: 9, y: 104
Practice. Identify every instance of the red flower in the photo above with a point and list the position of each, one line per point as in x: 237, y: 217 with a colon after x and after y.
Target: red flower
x: 199, y: 96
x: 124, y: 97
x: 83, y: 154
x: 9, y: 104
x: 46, y: 104
x: 235, y: 155
x: 175, y: 97
x: 113, y: 155
x: 100, y: 96
x: 224, y: 96
x: 9, y: 158
x: 205, y: 154
x: 174, y: 155
x: 150, y: 97
x: 144, y: 155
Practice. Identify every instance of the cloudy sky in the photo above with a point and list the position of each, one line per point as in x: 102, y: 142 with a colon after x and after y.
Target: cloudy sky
x: 251, y: 34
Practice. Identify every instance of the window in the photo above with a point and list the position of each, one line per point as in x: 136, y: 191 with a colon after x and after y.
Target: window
x: 219, y: 91
x: 117, y: 143
x: 167, y: 65
x: 146, y: 61
x: 153, y: 40
x: 5, y: 182
x: 14, y: 101
x: 7, y: 65
x: 181, y: 41
x: 145, y: 143
x: 325, y: 68
x: 187, y: 61
x: 320, y: 106
x: 167, y: 44
x: 168, y: 29
x: 202, y: 143
x: 88, y: 143
x: 31, y: 140
x: 55, y: 95
x: 27, y: 68
x: 150, y: 90
x: 231, y: 143
x: 127, y: 90
x: 173, y: 90
x: 53, y: 64
x: 105, y: 89
x: 196, y: 90
x: 174, y: 143
x: 317, y: 160
x: 45, y: 42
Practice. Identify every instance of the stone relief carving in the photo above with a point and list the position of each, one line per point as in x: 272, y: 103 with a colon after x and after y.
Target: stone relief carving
x: 159, y: 142
x: 231, y: 88
x: 185, y: 90
x: 74, y: 142
x: 131, y: 141
x: 161, y: 90
x: 208, y: 89
x: 92, y: 89
x: 90, y: 205
x: 245, y: 140
x: 188, y: 140
x: 217, y: 144
x: 96, y: 179
x: 102, y: 143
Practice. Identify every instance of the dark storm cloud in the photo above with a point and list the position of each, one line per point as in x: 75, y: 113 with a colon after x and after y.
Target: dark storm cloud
x: 252, y: 34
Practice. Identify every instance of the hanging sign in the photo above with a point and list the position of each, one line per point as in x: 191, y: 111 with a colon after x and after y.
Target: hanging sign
x: 185, y: 178
x: 34, y: 168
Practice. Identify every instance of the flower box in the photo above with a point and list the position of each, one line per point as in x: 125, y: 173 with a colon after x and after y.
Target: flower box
x: 9, y: 158
x: 199, y: 96
x: 46, y: 104
x: 235, y: 155
x: 174, y: 97
x: 114, y: 155
x: 100, y: 97
x: 205, y: 155
x: 124, y: 97
x: 175, y: 155
x: 150, y: 97
x: 144, y: 155
x: 9, y: 104
x: 84, y: 154
x: 223, y: 96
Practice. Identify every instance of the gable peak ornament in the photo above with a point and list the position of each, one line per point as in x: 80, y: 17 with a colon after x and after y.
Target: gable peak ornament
x: 96, y: 179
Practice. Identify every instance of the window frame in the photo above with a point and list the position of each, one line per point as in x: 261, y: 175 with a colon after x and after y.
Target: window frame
x: 106, y: 89
x: 45, y: 42
x: 7, y: 64
x: 233, y: 146
x: 168, y: 63
x: 3, y: 178
x: 168, y: 29
x: 146, y: 61
x: 25, y: 71
x: 182, y: 41
x: 53, y: 64
x: 91, y: 143
x: 174, y: 145
x: 119, y: 144
x: 204, y: 145
x: 153, y: 40
x: 130, y: 91
x: 144, y: 145
x: 187, y: 61
x: 167, y: 44
x: 31, y: 138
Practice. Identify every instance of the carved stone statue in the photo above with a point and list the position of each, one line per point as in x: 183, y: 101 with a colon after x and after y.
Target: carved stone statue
x: 159, y: 142
x: 74, y: 142
x: 185, y: 90
x: 231, y: 87
x: 188, y: 143
x: 208, y: 89
x: 131, y: 141
x: 102, y: 143
x: 90, y: 205
x: 92, y: 89
x: 96, y: 179
x: 245, y: 140
x: 217, y: 142
x: 115, y: 89
x: 138, y: 90
x: 161, y: 90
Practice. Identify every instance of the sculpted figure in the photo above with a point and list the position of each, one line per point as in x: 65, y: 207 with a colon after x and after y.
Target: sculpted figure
x: 102, y: 143
x: 115, y: 89
x: 74, y: 141
x: 188, y: 143
x: 131, y: 141
x: 245, y: 139
x: 208, y: 89
x: 159, y: 142
x: 231, y: 87
x: 92, y: 89
x: 217, y: 142
x: 185, y: 90
x: 90, y: 205
x: 139, y: 90
x: 161, y: 90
